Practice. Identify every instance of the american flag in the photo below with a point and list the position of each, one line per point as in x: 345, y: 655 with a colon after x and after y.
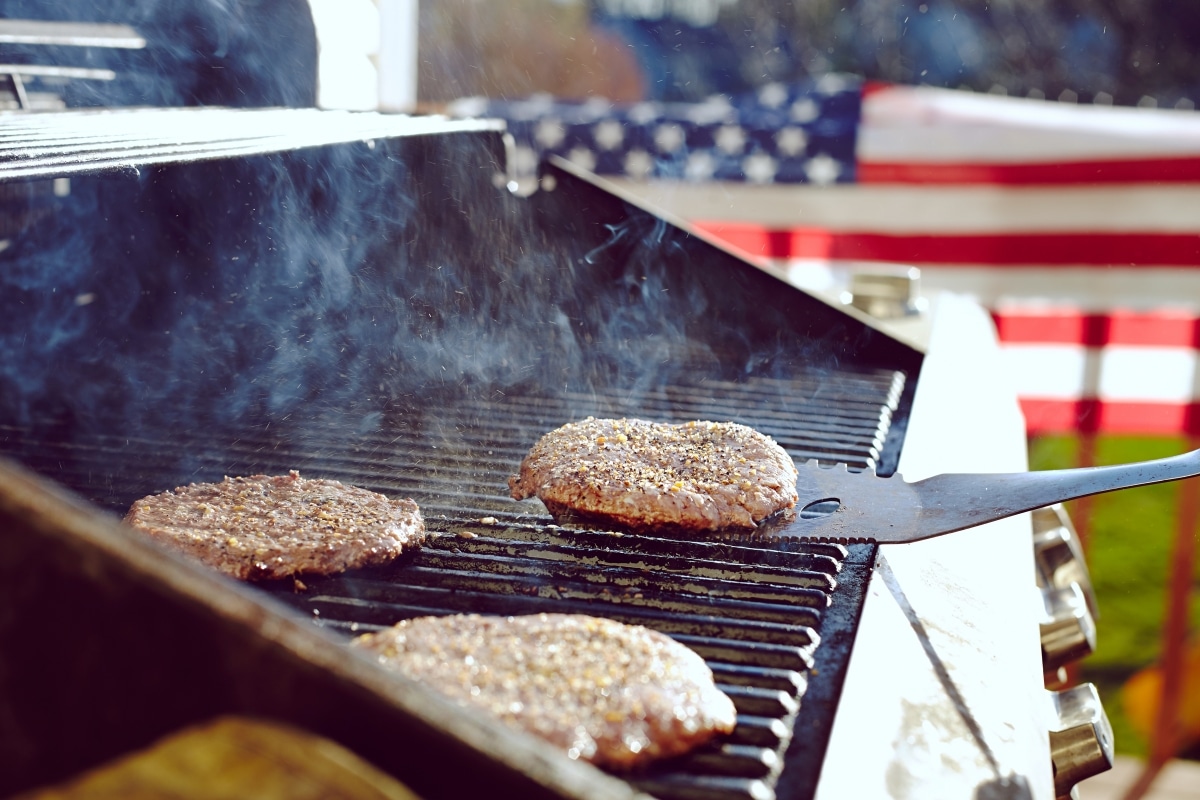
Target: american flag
x: 1078, y: 226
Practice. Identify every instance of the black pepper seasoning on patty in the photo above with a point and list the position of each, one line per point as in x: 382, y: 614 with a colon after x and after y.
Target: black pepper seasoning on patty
x: 264, y: 527
x: 601, y: 691
x: 632, y: 474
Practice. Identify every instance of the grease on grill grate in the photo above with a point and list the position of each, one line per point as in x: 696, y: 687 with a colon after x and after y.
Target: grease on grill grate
x: 751, y: 613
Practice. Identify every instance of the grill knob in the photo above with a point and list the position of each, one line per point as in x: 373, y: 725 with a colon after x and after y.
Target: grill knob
x: 1069, y: 633
x: 1058, y: 554
x: 886, y: 294
x: 1081, y: 745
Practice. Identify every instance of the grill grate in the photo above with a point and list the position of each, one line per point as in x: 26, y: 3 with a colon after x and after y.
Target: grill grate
x: 774, y: 621
x: 757, y: 616
x: 454, y: 455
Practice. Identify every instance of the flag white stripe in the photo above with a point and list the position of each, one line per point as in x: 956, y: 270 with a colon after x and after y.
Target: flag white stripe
x: 914, y: 209
x: 1052, y: 372
x: 1113, y: 374
x: 1156, y: 374
x: 1085, y: 287
x: 930, y: 125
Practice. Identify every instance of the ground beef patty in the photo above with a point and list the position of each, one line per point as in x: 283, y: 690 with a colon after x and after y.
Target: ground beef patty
x: 613, y: 694
x: 642, y: 476
x: 265, y: 527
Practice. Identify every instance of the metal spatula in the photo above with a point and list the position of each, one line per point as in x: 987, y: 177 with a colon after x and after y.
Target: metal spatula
x: 889, y: 510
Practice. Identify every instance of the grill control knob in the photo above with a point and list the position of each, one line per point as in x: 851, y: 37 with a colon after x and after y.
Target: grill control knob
x: 1069, y: 633
x: 1058, y: 554
x: 1081, y: 744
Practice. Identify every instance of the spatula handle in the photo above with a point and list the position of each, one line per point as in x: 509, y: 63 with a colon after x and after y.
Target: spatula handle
x: 997, y: 496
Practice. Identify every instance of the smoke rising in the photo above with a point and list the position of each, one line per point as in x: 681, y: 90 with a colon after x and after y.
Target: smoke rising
x: 360, y: 289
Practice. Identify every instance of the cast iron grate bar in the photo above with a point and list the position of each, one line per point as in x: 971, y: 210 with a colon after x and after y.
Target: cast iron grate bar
x: 819, y: 571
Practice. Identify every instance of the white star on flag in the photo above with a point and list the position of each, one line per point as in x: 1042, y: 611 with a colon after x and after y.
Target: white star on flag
x: 550, y: 133
x: 700, y: 166
x: 805, y: 110
x: 668, y: 137
x: 638, y: 163
x: 791, y: 141
x: 582, y: 157
x: 609, y: 134
x: 822, y: 169
x: 759, y: 168
x: 731, y: 139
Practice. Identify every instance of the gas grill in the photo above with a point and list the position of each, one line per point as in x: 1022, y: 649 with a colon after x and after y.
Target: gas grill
x: 193, y: 293
x: 765, y: 617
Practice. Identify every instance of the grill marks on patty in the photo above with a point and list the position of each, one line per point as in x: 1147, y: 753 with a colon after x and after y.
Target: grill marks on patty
x: 642, y: 476
x: 613, y: 694
x: 264, y: 527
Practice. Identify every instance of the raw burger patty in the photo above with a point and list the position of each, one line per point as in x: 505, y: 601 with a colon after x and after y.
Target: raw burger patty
x: 265, y: 527
x: 613, y: 694
x: 649, y: 476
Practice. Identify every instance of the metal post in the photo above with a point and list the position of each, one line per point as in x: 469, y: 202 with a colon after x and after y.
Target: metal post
x: 398, y: 36
x: 1164, y: 739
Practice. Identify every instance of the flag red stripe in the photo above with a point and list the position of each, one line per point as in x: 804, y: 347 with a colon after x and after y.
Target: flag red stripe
x: 1097, y: 416
x: 1180, y: 169
x: 1015, y: 249
x: 1164, y: 328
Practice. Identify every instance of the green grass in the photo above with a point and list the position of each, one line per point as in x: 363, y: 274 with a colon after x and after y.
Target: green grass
x: 1128, y: 552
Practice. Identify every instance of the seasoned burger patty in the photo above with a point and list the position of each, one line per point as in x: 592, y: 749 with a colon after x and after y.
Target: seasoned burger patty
x: 265, y: 527
x: 644, y: 476
x: 613, y: 694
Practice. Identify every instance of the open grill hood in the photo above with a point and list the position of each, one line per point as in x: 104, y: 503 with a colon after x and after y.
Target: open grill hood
x: 374, y: 306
